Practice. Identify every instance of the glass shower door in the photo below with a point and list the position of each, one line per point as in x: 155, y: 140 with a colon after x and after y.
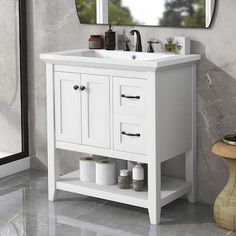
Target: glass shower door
x: 13, y: 93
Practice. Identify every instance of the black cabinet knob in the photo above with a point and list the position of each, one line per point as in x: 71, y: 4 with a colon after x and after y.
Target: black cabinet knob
x: 76, y: 87
x: 82, y: 88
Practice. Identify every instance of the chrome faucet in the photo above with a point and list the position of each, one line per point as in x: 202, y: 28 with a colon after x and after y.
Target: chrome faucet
x: 138, y: 47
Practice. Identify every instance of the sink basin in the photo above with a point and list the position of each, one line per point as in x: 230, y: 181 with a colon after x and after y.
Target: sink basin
x: 119, y: 55
x: 117, y: 59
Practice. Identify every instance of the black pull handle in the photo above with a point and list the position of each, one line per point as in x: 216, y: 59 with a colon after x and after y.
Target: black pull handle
x: 76, y: 87
x: 82, y: 88
x: 132, y: 135
x: 130, y: 97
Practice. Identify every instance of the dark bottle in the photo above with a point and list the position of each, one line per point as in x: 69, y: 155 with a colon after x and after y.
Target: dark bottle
x: 110, y: 39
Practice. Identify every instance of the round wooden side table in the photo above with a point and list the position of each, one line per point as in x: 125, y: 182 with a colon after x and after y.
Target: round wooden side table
x: 225, y: 203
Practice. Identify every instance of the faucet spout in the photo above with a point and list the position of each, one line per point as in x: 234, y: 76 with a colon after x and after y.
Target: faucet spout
x: 138, y: 47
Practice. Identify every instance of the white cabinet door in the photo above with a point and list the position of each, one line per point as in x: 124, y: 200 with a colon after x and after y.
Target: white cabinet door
x: 95, y: 110
x: 68, y: 107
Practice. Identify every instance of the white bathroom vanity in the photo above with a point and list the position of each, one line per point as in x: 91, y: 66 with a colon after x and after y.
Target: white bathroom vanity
x: 131, y: 106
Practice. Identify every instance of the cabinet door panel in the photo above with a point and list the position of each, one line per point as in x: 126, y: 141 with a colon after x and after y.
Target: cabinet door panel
x: 95, y: 110
x: 67, y: 107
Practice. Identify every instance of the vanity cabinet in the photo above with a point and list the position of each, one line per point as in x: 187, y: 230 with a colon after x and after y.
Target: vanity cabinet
x: 141, y: 111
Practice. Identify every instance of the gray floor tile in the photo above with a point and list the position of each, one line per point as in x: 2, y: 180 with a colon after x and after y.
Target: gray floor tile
x: 25, y: 211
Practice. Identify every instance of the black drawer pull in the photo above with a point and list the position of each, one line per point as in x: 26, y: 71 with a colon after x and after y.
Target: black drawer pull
x: 131, y: 97
x: 129, y: 134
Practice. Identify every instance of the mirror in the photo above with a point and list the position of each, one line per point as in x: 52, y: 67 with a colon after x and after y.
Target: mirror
x: 165, y: 13
x: 13, y: 81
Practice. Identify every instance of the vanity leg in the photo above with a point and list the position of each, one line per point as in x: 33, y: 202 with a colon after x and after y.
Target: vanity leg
x: 190, y: 173
x: 53, y: 160
x: 154, y: 193
x: 154, y: 159
x: 154, y: 215
x: 53, y: 174
x: 190, y: 156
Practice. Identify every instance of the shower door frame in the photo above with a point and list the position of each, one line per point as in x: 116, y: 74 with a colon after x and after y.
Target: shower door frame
x: 23, y: 88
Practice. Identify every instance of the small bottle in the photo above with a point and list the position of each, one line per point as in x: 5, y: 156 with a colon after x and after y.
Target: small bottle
x: 95, y: 42
x: 124, y: 179
x: 138, y: 177
x: 110, y: 39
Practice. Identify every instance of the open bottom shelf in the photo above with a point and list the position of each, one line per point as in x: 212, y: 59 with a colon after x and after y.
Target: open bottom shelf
x: 171, y: 189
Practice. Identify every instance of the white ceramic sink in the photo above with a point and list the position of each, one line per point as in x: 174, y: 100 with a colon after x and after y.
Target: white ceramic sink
x: 117, y: 59
x: 119, y: 55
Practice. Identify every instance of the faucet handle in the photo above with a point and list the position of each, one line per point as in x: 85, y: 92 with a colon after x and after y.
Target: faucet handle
x: 153, y: 41
x: 150, y: 47
x: 126, y: 41
x: 127, y: 46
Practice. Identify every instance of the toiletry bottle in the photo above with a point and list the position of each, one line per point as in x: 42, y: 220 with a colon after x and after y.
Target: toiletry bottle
x: 110, y: 39
x: 138, y: 177
x: 95, y: 42
x: 124, y: 179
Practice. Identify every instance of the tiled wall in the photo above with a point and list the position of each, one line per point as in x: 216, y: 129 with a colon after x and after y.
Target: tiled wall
x: 54, y: 26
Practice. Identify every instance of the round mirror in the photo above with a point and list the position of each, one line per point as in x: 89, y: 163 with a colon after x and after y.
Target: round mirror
x: 165, y: 13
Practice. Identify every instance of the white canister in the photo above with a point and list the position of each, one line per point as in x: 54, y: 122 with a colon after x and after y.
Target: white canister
x: 105, y: 172
x: 138, y: 172
x: 87, y: 169
x: 138, y: 178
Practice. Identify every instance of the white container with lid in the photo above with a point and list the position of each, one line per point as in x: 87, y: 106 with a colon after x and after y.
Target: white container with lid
x: 138, y: 172
x: 138, y: 177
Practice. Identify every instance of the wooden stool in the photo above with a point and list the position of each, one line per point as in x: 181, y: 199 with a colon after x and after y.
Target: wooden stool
x: 225, y: 203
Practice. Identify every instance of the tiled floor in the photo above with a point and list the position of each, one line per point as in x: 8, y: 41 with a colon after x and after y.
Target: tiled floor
x: 25, y: 211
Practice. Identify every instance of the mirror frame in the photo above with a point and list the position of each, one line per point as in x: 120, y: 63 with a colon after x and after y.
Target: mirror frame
x: 23, y: 88
x: 100, y: 16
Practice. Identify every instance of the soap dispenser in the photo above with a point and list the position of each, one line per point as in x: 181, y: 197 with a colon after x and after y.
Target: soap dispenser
x: 110, y: 39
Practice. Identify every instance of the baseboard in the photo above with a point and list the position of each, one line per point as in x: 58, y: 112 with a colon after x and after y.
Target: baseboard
x: 14, y: 167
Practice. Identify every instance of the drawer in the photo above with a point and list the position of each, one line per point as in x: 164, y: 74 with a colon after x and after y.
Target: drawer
x: 130, y: 96
x: 130, y: 134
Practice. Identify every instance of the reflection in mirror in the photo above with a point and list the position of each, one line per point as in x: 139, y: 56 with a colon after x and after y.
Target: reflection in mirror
x: 10, y: 96
x: 165, y: 13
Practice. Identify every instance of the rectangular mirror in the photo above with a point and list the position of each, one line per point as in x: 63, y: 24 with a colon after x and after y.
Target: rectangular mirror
x: 164, y: 13
x: 13, y: 81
